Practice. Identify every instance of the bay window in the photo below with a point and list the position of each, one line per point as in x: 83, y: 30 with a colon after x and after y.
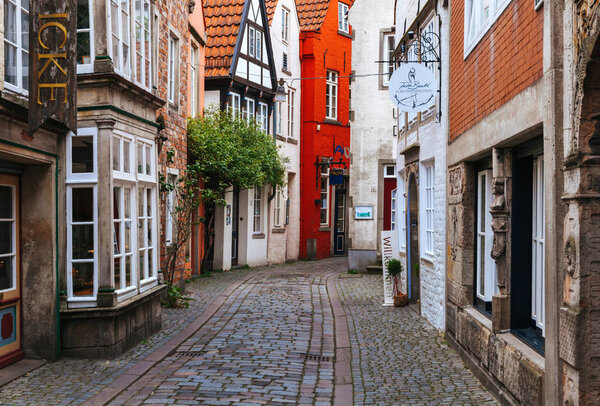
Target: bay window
x: 123, y: 238
x: 16, y: 45
x: 331, y: 94
x: 120, y: 23
x: 142, y: 43
x: 85, y: 36
x: 146, y: 237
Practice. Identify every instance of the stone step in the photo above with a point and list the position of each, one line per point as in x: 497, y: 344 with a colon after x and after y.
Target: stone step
x: 374, y: 269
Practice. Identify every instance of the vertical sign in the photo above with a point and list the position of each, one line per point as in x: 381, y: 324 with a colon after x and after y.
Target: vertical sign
x: 53, y: 63
x: 389, y: 250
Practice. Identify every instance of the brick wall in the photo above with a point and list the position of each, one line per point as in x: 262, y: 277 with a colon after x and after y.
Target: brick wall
x: 506, y: 61
x: 173, y: 21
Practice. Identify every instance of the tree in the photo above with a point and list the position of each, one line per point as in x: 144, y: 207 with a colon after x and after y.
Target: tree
x: 226, y: 151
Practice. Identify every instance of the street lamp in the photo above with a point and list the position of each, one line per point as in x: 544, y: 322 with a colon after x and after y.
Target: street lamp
x: 280, y: 94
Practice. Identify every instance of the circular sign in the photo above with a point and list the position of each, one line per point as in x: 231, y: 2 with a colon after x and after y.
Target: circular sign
x: 413, y: 87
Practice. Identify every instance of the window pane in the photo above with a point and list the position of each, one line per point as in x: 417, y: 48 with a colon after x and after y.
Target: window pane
x: 150, y: 269
x: 10, y: 64
x: 82, y: 154
x: 149, y: 202
x: 127, y: 203
x: 148, y: 160
x: 117, y: 203
x: 127, y: 225
x: 126, y: 164
x: 142, y: 268
x: 83, y: 279
x: 140, y: 158
x: 141, y: 240
x: 128, y: 270
x: 116, y: 151
x: 6, y: 202
x: 6, y: 273
x: 117, y: 237
x: 117, y: 262
x: 6, y: 237
x: 83, y: 241
x: 83, y: 203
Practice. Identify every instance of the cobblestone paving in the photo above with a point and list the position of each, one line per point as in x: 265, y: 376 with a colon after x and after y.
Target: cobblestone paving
x: 72, y: 381
x: 398, y: 358
x: 272, y: 342
x: 256, y: 349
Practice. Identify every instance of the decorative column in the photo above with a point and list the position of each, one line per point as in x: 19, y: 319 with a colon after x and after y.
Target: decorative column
x: 500, y: 210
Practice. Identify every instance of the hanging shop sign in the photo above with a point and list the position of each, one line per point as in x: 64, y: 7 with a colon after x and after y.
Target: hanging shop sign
x: 413, y: 87
x: 336, y: 176
x: 389, y: 250
x: 52, y: 58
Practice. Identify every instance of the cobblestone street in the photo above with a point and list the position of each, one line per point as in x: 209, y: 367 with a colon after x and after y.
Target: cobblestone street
x: 270, y: 336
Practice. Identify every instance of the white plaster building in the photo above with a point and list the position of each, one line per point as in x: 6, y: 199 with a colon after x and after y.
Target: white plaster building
x: 283, y: 236
x: 372, y: 142
x: 422, y: 163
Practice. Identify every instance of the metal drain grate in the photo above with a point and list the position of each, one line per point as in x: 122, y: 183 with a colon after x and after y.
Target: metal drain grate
x: 188, y: 354
x: 320, y: 358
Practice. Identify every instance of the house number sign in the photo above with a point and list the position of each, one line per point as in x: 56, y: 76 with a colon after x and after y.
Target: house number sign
x: 413, y: 87
x: 52, y: 58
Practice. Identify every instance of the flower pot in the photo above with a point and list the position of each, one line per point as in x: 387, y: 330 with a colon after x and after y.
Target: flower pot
x: 400, y: 299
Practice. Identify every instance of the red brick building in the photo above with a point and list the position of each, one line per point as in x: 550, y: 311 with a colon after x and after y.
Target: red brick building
x: 325, y: 52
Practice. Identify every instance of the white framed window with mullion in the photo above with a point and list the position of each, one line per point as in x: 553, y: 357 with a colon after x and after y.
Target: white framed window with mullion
x: 257, y: 211
x: 16, y: 46
x: 324, y: 187
x: 401, y: 202
x: 262, y: 116
x: 291, y: 112
x: 426, y: 201
x: 85, y: 36
x: 331, y: 94
x: 480, y: 15
x: 234, y: 104
x: 146, y: 237
x: 285, y: 24
x: 485, y: 266
x: 124, y: 266
x: 143, y: 67
x: 537, y: 246
x: 119, y: 13
x: 173, y: 69
x: 9, y: 243
x: 82, y: 218
x: 343, y: 24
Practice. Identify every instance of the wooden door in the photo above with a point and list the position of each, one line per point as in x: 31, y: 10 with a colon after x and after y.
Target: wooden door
x: 10, y: 275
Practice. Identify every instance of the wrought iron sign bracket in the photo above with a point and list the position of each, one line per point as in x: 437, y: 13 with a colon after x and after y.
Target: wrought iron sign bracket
x: 330, y: 163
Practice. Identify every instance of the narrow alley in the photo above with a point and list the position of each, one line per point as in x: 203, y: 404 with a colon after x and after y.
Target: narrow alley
x: 296, y: 334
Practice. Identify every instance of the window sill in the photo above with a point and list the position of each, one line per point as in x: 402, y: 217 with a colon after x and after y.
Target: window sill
x: 258, y: 236
x: 344, y: 34
x: 292, y: 140
x: 278, y: 230
x: 429, y: 260
x: 287, y: 72
x: 332, y: 122
x: 280, y: 137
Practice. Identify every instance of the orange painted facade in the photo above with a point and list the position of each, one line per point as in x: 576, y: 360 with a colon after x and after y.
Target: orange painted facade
x: 321, y: 50
x: 506, y: 61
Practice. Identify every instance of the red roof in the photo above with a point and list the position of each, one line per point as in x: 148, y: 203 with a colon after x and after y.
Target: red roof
x: 223, y: 19
x: 311, y: 13
x: 271, y: 5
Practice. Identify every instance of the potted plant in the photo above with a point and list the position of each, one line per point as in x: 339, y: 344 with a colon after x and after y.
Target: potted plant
x: 395, y: 269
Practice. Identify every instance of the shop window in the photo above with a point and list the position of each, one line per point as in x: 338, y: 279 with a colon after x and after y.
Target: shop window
x: 16, y: 45
x: 343, y: 25
x: 527, y: 246
x: 485, y: 266
x: 233, y: 104
x: 85, y: 36
x: 8, y: 238
x: 480, y: 15
x: 331, y: 94
x: 324, y: 210
x: 257, y: 212
x: 123, y: 239
x: 290, y: 112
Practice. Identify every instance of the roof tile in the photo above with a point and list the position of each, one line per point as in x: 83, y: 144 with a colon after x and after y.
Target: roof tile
x: 223, y: 19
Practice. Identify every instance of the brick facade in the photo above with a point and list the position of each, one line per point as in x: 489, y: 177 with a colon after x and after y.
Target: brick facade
x: 506, y: 61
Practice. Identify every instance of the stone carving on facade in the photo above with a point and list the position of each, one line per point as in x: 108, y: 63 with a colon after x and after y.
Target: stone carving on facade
x: 455, y: 179
x: 453, y: 233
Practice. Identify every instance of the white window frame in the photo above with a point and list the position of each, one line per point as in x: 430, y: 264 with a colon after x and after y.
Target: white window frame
x: 86, y: 177
x: 125, y: 292
x: 331, y: 95
x: 81, y: 301
x: 14, y: 251
x: 249, y: 109
x: 19, y: 87
x: 537, y: 246
x: 145, y: 47
x: 472, y: 39
x: 391, y: 175
x: 486, y: 278
x: 285, y: 25
x: 172, y: 65
x: 194, y: 81
x: 388, y: 55
x: 254, y: 43
x: 172, y: 177
x: 262, y: 116
x: 88, y: 67
x: 121, y: 137
x: 401, y: 201
x: 257, y: 227
x: 277, y: 218
x: 143, y: 176
x: 343, y: 24
x: 290, y: 112
x: 121, y: 69
x: 234, y: 105
x: 150, y: 281
x: 427, y: 202
x: 324, y: 181
x: 394, y: 209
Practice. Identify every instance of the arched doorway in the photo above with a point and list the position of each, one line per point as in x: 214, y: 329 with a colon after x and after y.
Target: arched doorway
x: 414, y: 281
